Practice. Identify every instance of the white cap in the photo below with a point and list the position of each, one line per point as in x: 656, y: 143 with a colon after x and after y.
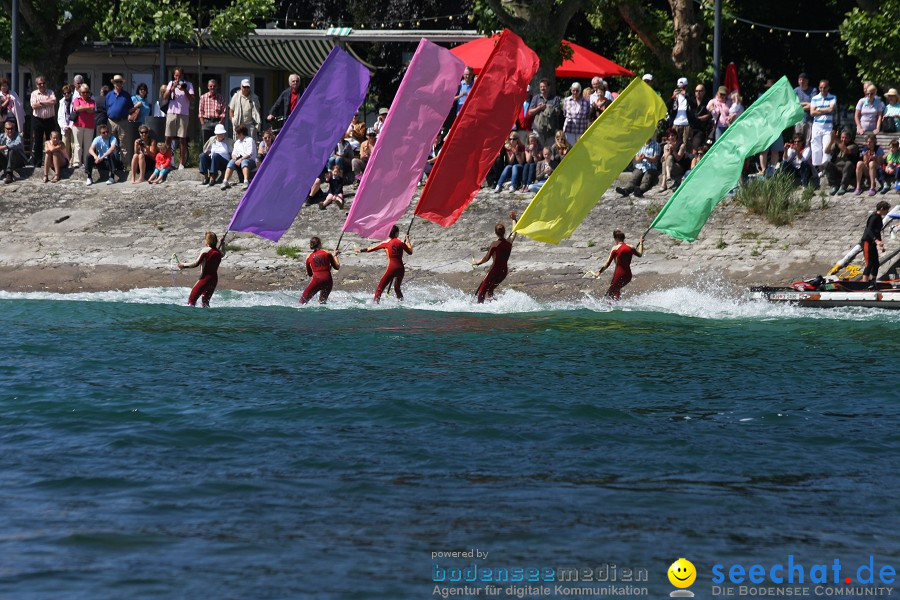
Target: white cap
x: 647, y: 77
x: 245, y: 83
x: 682, y: 82
x: 219, y: 129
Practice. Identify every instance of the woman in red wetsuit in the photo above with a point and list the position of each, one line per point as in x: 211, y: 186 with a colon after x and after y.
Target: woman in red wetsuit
x: 318, y: 266
x: 500, y: 251
x: 621, y: 253
x: 395, y: 269
x: 208, y: 261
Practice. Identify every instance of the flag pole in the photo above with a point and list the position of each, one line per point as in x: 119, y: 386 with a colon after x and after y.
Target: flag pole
x: 410, y: 225
x: 338, y: 247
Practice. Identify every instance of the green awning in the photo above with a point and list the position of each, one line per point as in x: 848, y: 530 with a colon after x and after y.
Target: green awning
x: 303, y: 57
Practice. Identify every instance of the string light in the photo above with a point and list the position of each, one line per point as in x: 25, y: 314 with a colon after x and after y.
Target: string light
x: 399, y: 24
x: 772, y: 28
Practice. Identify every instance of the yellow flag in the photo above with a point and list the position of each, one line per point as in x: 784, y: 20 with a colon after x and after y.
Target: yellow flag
x: 592, y: 165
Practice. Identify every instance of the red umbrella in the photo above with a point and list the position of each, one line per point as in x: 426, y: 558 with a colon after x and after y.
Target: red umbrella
x: 583, y: 63
x: 731, y: 78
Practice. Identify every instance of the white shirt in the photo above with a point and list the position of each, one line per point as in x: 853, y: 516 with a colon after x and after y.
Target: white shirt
x: 245, y: 147
x: 819, y: 102
x: 220, y: 148
x: 681, y: 117
x: 795, y: 159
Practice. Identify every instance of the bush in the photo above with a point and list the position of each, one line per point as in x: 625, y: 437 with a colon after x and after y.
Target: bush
x: 289, y: 251
x: 775, y: 198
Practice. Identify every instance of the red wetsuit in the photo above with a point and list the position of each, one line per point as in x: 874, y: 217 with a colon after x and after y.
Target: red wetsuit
x: 395, y: 269
x: 500, y: 250
x: 318, y: 266
x: 622, y: 275
x: 209, y: 278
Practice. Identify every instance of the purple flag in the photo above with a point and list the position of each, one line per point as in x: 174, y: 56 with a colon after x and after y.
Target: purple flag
x: 395, y: 167
x: 302, y: 147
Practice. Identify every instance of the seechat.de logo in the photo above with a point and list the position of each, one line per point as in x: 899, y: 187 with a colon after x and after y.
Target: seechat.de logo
x: 682, y: 574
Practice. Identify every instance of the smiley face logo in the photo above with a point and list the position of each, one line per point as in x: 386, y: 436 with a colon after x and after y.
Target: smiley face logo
x: 682, y: 573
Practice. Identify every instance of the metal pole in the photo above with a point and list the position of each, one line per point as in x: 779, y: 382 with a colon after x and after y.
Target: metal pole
x: 14, y: 55
x: 717, y: 43
x: 162, y: 64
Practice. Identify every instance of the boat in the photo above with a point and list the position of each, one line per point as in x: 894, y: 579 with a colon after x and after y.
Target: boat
x: 842, y: 287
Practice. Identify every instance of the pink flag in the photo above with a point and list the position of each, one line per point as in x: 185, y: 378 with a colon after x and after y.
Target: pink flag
x: 395, y: 167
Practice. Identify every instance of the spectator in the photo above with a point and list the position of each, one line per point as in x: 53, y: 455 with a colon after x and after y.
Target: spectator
x: 243, y: 156
x: 698, y: 154
x: 11, y: 108
x: 244, y: 109
x: 736, y: 108
x: 163, y: 163
x: 702, y: 118
x: 891, y: 112
x: 844, y: 156
x: 211, y: 110
x: 892, y: 167
x: 43, y: 109
x: 286, y: 102
x: 103, y: 153
x: 648, y: 79
x: 101, y: 116
x: 798, y: 160
x: 179, y: 94
x: 559, y: 149
x: 771, y: 155
x: 514, y: 159
x: 869, y: 165
x: 12, y: 151
x: 342, y: 155
x: 118, y: 109
x: 335, y: 183
x: 681, y: 113
x: 533, y: 153
x: 545, y: 112
x: 64, y: 118
x: 822, y: 107
x: 268, y: 138
x: 646, y: 170
x: 83, y: 126
x: 161, y: 104
x: 542, y: 172
x: 719, y: 110
x: 379, y: 120
x: 77, y: 81
x: 216, y: 153
x: 462, y: 92
x: 804, y: 95
x: 140, y: 105
x: 676, y: 160
x: 432, y: 156
x: 356, y: 132
x: 365, y: 152
x: 577, y: 111
x: 316, y: 195
x: 55, y: 155
x: 869, y: 112
x: 600, y: 97
x: 144, y: 155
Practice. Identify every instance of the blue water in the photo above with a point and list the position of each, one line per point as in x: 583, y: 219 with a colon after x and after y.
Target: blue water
x: 260, y: 450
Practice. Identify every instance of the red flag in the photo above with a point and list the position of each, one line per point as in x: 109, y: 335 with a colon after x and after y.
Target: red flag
x: 479, y: 131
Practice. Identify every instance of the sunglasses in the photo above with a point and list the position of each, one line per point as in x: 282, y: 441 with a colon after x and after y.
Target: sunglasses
x: 145, y: 133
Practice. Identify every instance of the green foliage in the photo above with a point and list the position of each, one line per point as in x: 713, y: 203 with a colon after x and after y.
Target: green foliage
x: 874, y: 39
x: 238, y: 19
x: 289, y: 251
x: 774, y: 199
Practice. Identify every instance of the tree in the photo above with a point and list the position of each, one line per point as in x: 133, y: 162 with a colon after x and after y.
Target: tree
x: 873, y: 37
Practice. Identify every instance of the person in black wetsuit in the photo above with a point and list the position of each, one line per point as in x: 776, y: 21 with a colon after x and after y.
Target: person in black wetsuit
x: 871, y: 241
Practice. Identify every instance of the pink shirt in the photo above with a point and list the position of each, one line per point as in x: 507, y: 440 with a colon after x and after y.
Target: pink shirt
x: 179, y: 102
x: 47, y: 111
x: 83, y: 119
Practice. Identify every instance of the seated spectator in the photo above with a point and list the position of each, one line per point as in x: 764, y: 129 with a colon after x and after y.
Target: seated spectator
x: 559, y: 149
x: 646, y: 170
x: 842, y: 166
x: 12, y: 151
x: 542, y: 171
x: 103, y: 153
x: 243, y: 157
x: 869, y: 112
x: 316, y: 195
x: 533, y: 153
x: 215, y: 155
x: 335, y: 181
x: 144, y: 158
x: 365, y: 152
x: 342, y: 156
x: 356, y: 132
x: 379, y: 121
x: 892, y: 167
x: 514, y: 157
x: 798, y: 160
x: 698, y: 154
x: 869, y: 165
x: 676, y: 161
x: 55, y: 155
x: 163, y: 163
x: 432, y: 156
x: 268, y: 138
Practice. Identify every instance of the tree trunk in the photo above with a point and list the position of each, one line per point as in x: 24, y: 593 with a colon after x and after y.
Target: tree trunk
x: 631, y: 14
x: 686, y: 51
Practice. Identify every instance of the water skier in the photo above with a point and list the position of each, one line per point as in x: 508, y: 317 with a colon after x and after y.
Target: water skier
x: 395, y: 269
x: 318, y: 266
x: 208, y: 261
x: 621, y: 253
x: 500, y: 251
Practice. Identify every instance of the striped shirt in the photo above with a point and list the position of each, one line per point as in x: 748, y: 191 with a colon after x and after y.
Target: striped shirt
x: 212, y: 106
x: 819, y: 102
x: 47, y: 111
x: 649, y: 150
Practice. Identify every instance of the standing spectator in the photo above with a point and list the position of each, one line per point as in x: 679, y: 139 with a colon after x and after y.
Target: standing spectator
x: 798, y: 160
x: 462, y: 92
x: 243, y: 156
x: 869, y: 165
x: 118, y: 109
x: 365, y: 152
x: 83, y: 125
x: 869, y: 112
x: 212, y: 110
x: 648, y: 79
x: 286, y: 102
x: 379, y: 121
x: 43, y: 107
x: 103, y: 151
x: 646, y: 170
x: 64, y: 118
x: 161, y: 104
x: 179, y: 94
x: 804, y: 95
x: 720, y: 109
x: 822, y: 107
x: 841, y: 167
x: 771, y: 155
x: 12, y: 151
x: 215, y: 155
x: 432, y: 156
x: 11, y: 108
x: 577, y: 111
x: 681, y: 112
x: 244, y: 110
x: 545, y: 112
x: 891, y: 112
x: 77, y: 81
x: 702, y: 118
x: 600, y: 97
x: 140, y: 105
x: 101, y: 117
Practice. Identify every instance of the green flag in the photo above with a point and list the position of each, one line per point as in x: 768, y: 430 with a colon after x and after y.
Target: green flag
x: 687, y: 211
x: 589, y: 168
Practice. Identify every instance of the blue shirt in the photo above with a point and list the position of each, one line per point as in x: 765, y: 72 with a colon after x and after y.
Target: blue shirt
x: 463, y: 87
x: 805, y: 97
x: 650, y: 149
x: 118, y: 105
x: 145, y: 108
x: 101, y: 145
x: 820, y: 102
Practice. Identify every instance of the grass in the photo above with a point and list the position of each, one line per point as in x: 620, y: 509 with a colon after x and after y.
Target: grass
x: 775, y: 198
x: 232, y: 248
x: 653, y: 210
x: 721, y: 244
x: 289, y: 251
x: 591, y: 243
